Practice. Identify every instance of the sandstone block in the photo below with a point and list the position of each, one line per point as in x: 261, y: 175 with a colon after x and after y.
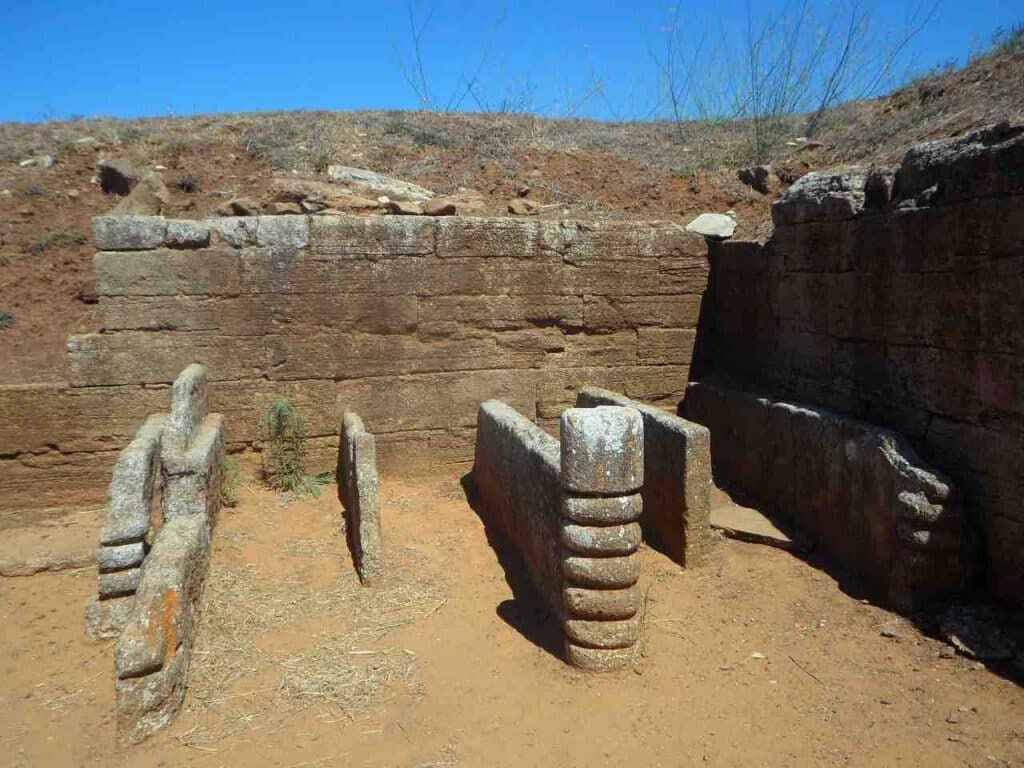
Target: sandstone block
x: 286, y: 233
x: 601, y: 541
x: 601, y: 604
x: 601, y: 659
x: 120, y: 556
x: 608, y: 510
x: 603, y: 634
x: 128, y: 233
x: 186, y: 233
x: 602, y: 572
x: 602, y: 450
x: 163, y: 272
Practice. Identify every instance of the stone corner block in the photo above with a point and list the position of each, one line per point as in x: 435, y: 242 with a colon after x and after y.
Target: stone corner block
x: 128, y: 233
x: 602, y: 450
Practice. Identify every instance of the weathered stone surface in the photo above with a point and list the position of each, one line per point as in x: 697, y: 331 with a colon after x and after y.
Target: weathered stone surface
x: 977, y: 164
x: 120, y: 556
x: 601, y: 540
x: 602, y: 450
x: 358, y: 491
x: 373, y: 184
x: 236, y: 231
x: 716, y: 226
x: 860, y: 490
x: 602, y: 572
x: 119, y: 583
x: 602, y: 604
x: 131, y: 487
x: 284, y: 233
x: 104, y: 619
x: 184, y: 233
x: 153, y: 651
x: 189, y: 406
x: 603, y: 634
x: 516, y: 474
x: 602, y: 660
x: 384, y: 236
x: 128, y: 233
x: 192, y: 479
x: 677, y: 477
x: 606, y: 510
x: 214, y: 272
x: 821, y: 196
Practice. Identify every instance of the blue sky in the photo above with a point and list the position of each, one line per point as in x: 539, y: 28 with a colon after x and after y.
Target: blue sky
x: 64, y: 58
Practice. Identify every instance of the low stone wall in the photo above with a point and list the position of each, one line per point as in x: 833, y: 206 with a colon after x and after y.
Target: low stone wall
x: 571, y: 510
x: 328, y: 310
x: 358, y: 492
x: 677, y: 478
x: 861, y: 491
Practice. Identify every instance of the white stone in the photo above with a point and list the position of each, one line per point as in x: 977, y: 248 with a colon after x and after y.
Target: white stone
x: 713, y: 225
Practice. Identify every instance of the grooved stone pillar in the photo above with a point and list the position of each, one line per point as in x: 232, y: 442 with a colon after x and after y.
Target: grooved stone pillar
x: 602, y: 470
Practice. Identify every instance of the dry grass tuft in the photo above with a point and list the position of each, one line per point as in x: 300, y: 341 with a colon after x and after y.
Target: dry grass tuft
x: 234, y: 685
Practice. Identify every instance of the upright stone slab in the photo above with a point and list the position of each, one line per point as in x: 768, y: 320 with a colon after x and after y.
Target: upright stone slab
x: 122, y: 538
x: 602, y: 468
x: 358, y: 491
x: 189, y: 406
x: 677, y: 478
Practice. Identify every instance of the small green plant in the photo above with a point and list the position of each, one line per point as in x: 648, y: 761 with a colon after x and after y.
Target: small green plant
x: 285, y: 444
x: 229, y: 483
x: 6, y: 320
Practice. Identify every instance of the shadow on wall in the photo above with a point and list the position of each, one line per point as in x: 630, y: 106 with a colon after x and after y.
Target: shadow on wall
x: 526, y: 612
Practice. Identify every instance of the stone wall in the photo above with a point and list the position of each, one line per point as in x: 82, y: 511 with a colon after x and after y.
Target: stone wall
x: 897, y: 296
x: 677, y: 478
x: 375, y: 313
x: 861, y: 492
x: 571, y: 511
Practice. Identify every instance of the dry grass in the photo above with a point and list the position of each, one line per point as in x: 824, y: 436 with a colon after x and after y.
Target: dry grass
x: 347, y: 670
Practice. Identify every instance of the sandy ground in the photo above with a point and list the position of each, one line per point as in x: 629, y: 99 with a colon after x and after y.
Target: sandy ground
x: 758, y: 659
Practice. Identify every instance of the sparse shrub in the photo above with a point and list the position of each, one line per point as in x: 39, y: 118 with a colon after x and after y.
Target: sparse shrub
x: 6, y: 320
x: 285, y: 444
x: 1011, y: 39
x: 229, y: 483
x: 187, y: 184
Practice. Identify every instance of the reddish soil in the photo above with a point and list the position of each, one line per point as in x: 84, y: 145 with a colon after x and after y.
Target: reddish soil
x: 756, y: 659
